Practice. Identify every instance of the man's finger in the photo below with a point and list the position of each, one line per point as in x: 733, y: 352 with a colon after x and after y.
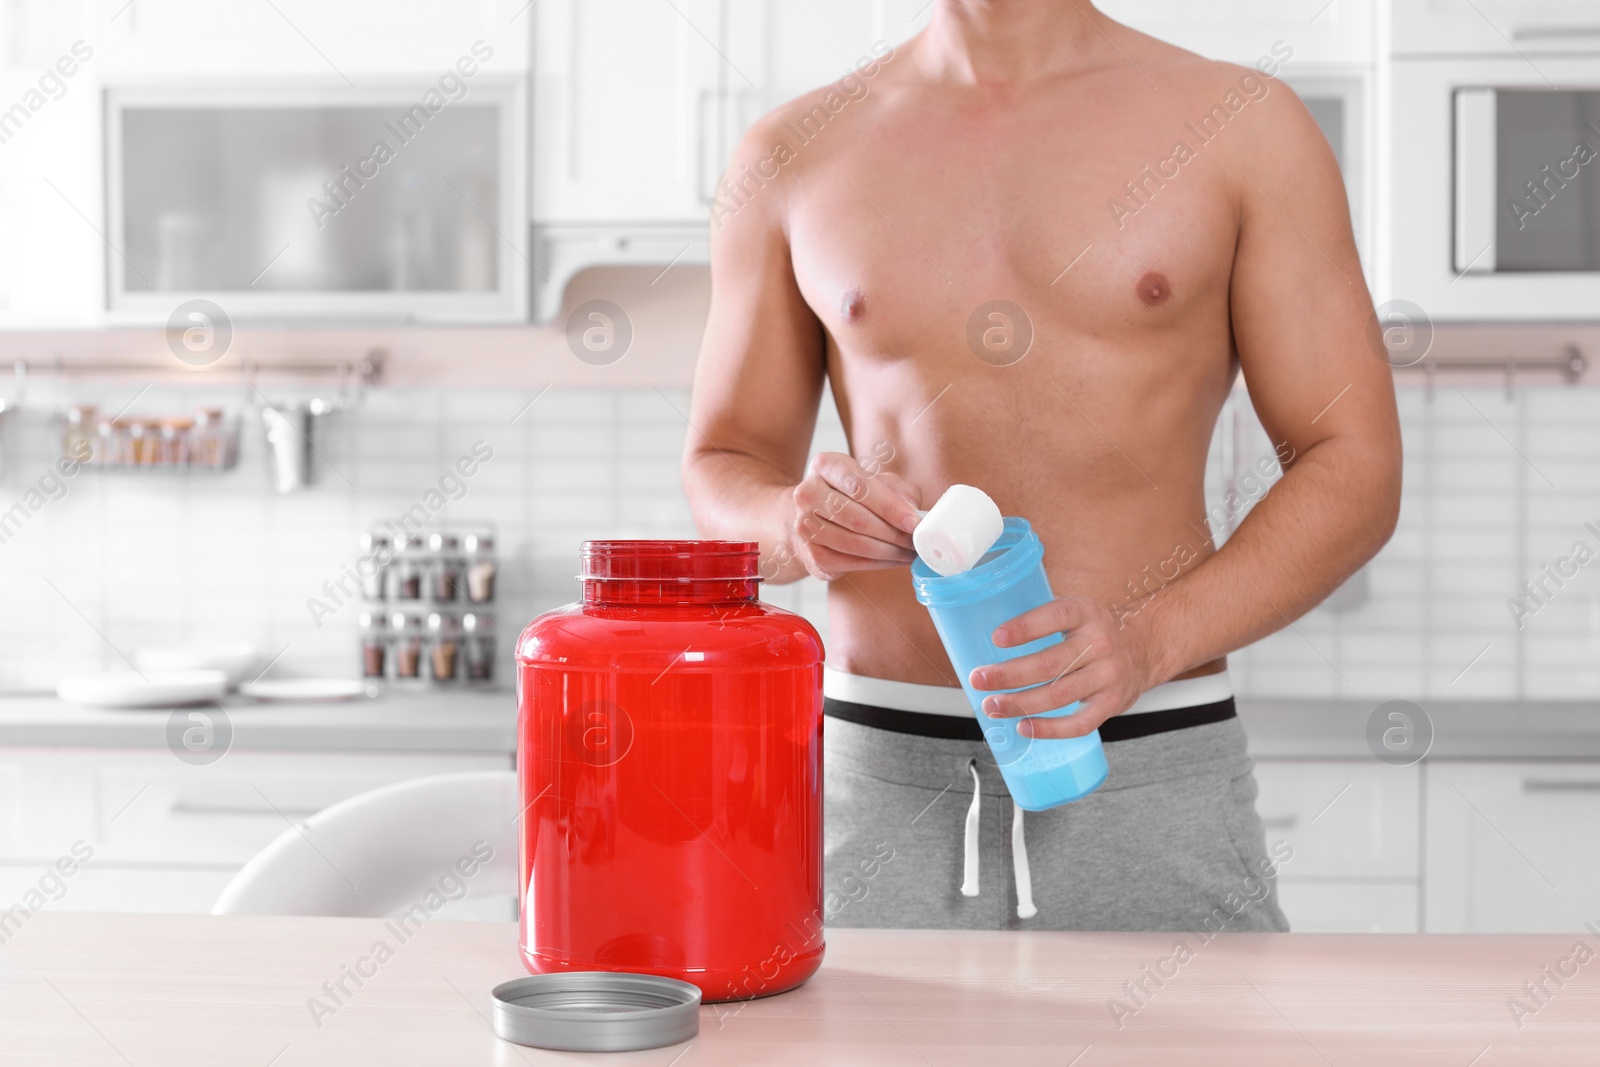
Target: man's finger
x: 847, y: 542
x: 1067, y: 613
x: 1048, y: 695
x: 896, y: 509
x: 835, y: 564
x: 904, y: 489
x: 1080, y: 723
x: 846, y: 475
x: 842, y: 472
x: 838, y: 508
x: 1045, y: 665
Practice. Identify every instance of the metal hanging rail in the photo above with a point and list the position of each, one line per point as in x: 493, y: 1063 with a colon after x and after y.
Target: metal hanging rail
x: 360, y: 373
x: 368, y: 370
x: 1570, y: 365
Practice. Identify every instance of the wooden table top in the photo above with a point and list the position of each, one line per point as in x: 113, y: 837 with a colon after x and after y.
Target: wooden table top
x: 131, y: 991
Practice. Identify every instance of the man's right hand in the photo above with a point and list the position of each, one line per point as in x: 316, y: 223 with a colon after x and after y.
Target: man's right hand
x: 846, y: 519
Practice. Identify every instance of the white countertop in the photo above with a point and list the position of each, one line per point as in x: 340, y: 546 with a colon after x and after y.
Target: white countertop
x: 479, y: 721
x: 1462, y: 730
x: 404, y: 720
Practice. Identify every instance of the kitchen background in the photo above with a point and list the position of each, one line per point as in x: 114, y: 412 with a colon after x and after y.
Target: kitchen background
x: 194, y: 214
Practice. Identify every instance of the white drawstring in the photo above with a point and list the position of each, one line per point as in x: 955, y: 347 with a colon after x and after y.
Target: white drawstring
x: 1019, y: 852
x: 1019, y: 866
x: 969, y: 865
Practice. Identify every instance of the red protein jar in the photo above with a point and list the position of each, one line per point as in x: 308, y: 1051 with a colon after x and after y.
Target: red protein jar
x: 670, y: 746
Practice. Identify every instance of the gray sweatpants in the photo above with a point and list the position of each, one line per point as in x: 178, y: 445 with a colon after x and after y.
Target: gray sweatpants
x: 1171, y: 841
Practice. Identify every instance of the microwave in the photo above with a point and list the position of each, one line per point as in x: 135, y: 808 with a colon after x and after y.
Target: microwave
x: 1490, y: 197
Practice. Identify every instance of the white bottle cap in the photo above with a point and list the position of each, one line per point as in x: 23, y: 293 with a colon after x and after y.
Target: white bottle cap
x: 955, y: 533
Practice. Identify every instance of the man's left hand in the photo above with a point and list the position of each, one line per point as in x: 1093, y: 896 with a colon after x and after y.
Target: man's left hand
x: 1100, y: 665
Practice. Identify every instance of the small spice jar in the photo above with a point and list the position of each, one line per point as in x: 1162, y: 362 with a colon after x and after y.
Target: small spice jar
x: 104, y: 450
x: 145, y: 442
x: 374, y: 643
x: 208, y: 442
x: 407, y: 568
x: 172, y: 446
x: 80, y: 439
x: 134, y: 446
x: 445, y: 566
x: 477, y: 647
x: 480, y: 566
x: 114, y: 449
x: 408, y: 641
x: 377, y: 550
x: 444, y: 645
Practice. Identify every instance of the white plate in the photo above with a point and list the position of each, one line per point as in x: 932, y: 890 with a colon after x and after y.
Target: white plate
x: 234, y: 658
x: 304, y: 689
x: 155, y: 690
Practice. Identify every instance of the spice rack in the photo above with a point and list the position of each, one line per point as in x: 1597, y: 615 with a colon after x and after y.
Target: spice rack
x: 204, y: 440
x: 428, y: 607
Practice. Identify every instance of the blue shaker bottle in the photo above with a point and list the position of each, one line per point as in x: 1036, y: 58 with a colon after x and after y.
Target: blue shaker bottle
x: 1041, y: 773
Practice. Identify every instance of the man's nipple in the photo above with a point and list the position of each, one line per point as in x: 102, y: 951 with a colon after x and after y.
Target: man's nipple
x: 1153, y: 288
x: 852, y: 305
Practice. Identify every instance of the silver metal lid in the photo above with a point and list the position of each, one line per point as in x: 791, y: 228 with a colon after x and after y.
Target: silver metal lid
x: 596, y: 1011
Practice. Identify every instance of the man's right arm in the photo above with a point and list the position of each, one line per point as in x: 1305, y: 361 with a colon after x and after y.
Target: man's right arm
x: 756, y: 391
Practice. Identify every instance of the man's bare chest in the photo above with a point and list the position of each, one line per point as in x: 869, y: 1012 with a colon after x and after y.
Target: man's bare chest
x: 908, y: 234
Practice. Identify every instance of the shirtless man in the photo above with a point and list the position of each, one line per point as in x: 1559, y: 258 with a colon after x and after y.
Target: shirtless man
x: 1156, y: 223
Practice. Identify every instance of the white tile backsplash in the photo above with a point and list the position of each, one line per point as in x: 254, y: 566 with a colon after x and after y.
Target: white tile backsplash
x: 126, y: 558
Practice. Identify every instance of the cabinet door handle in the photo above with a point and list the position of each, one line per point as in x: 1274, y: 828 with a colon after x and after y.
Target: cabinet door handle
x: 1280, y: 822
x: 1560, y: 785
x: 189, y: 807
x: 705, y: 194
x: 1477, y: 142
x: 1553, y: 33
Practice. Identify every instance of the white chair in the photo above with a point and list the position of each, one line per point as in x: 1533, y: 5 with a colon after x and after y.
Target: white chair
x: 381, y: 852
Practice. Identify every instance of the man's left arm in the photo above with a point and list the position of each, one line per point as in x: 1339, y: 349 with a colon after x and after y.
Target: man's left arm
x: 1312, y: 358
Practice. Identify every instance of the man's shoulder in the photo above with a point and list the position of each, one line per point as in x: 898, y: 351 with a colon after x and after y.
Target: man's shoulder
x: 798, y: 122
x: 1212, y: 92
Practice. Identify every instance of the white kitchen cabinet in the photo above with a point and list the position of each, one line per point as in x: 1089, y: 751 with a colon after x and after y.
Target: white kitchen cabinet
x: 226, y: 812
x: 293, y: 202
x: 1241, y: 31
x: 1510, y: 847
x: 786, y: 48
x: 172, y: 890
x: 51, y: 250
x: 181, y: 40
x: 1354, y: 827
x: 1447, y: 846
x: 173, y: 831
x: 638, y: 126
x: 1349, y: 907
x: 632, y: 132
x: 622, y: 121
x: 56, y: 240
x: 1344, y: 819
x: 1461, y: 27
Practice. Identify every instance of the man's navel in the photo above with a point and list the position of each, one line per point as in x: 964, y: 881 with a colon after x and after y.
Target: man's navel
x: 1153, y: 288
x: 852, y: 305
